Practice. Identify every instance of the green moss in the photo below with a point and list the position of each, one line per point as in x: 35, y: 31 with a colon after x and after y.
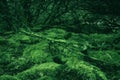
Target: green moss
x: 59, y: 58
x: 55, y: 33
x: 8, y: 77
x: 36, y: 53
x: 80, y: 70
x: 107, y: 56
x: 38, y: 72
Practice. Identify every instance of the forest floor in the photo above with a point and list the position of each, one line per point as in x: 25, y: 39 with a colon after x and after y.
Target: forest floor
x: 56, y: 54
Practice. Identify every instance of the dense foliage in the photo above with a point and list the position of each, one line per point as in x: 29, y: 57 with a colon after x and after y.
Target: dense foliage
x: 59, y: 40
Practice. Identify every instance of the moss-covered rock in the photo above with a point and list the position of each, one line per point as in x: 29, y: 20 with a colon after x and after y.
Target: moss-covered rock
x: 44, y: 71
x: 37, y: 53
x: 80, y: 70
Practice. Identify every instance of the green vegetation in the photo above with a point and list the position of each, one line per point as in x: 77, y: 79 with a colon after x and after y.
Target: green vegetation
x: 59, y: 40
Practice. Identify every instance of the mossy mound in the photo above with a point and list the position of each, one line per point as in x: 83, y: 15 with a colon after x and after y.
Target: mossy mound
x: 37, y: 53
x: 74, y: 70
x: 45, y: 71
x: 80, y: 70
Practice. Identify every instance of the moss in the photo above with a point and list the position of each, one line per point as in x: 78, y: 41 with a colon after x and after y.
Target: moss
x: 39, y: 72
x: 30, y: 58
x: 64, y: 51
x: 36, y: 53
x: 3, y: 41
x: 107, y: 56
x: 80, y: 70
x: 55, y: 33
x: 21, y: 38
x: 8, y: 77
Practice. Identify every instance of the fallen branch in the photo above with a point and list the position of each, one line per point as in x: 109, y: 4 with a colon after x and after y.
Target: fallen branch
x: 43, y: 37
